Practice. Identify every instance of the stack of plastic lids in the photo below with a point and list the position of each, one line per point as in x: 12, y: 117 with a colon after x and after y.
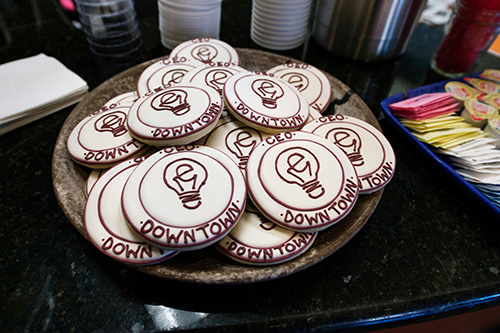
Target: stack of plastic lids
x: 188, y: 19
x: 111, y: 27
x: 280, y: 24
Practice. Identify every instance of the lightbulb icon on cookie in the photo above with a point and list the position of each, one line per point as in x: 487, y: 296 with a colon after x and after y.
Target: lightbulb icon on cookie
x: 186, y: 177
x: 240, y: 142
x: 268, y: 91
x: 349, y: 142
x: 300, y: 167
x: 173, y: 100
x: 113, y: 122
x: 204, y: 53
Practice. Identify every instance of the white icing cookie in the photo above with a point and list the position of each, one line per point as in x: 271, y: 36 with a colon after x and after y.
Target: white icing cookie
x: 176, y: 115
x: 235, y: 139
x: 185, y: 197
x: 106, y: 225
x: 265, y: 102
x: 92, y: 179
x: 309, y: 80
x: 365, y: 146
x: 212, y: 75
x: 102, y: 139
x: 164, y: 73
x: 313, y: 115
x: 125, y: 99
x: 207, y: 50
x: 301, y: 181
x: 257, y: 241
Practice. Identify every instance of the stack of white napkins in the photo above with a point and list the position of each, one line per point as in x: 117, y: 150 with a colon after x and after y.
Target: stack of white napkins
x: 34, y: 87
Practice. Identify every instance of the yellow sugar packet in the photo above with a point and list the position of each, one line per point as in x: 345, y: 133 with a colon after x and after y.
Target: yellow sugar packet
x: 438, y: 126
x: 442, y: 135
x: 461, y: 139
x: 449, y: 117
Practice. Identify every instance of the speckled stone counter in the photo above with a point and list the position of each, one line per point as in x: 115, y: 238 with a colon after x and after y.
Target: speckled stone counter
x: 427, y: 251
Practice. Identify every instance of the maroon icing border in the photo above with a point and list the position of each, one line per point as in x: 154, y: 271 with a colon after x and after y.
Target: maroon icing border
x: 286, y: 67
x: 163, y: 65
x: 206, y: 240
x: 292, y: 255
x: 249, y: 119
x: 374, y: 132
x: 90, y: 118
x: 200, y: 72
x: 134, y: 163
x: 207, y: 41
x: 296, y: 227
x: 198, y: 129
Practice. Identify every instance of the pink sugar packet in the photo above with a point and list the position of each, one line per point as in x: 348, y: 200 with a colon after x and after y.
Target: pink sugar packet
x: 423, y: 101
x: 426, y: 106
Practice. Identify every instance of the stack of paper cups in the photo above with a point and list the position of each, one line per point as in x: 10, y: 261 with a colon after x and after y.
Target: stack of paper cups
x: 188, y: 19
x: 280, y: 24
x: 111, y: 26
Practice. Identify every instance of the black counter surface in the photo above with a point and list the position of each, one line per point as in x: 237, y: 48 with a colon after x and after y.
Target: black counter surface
x: 428, y: 250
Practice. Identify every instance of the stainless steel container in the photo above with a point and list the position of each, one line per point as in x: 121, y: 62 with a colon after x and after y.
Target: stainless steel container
x: 367, y: 30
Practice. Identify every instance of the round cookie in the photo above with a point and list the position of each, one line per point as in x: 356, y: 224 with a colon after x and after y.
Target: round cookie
x: 265, y: 102
x: 92, y: 179
x: 102, y: 139
x: 257, y: 241
x: 185, y: 197
x: 125, y: 99
x: 309, y: 80
x: 106, y: 226
x: 176, y: 115
x: 301, y: 181
x: 212, y: 75
x: 235, y: 139
x: 207, y: 50
x: 164, y: 73
x: 365, y: 146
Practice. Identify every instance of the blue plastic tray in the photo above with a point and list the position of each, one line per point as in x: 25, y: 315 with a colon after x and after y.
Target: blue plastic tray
x: 436, y: 87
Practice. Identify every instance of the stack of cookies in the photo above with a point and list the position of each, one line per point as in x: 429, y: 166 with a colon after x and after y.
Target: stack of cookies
x: 207, y: 153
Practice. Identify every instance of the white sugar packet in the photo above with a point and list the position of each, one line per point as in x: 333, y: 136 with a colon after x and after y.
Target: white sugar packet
x: 34, y: 87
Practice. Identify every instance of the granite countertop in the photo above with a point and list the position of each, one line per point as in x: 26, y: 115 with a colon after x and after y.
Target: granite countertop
x: 427, y: 251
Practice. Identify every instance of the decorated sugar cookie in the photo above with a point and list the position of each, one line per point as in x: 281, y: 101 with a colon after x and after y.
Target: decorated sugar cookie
x: 207, y: 50
x: 309, y: 80
x: 185, y: 197
x: 106, y: 226
x: 212, y: 75
x: 301, y: 181
x: 235, y: 139
x: 103, y: 139
x: 176, y: 115
x: 257, y: 241
x: 125, y: 99
x: 164, y: 73
x: 92, y: 179
x: 367, y: 149
x: 265, y: 102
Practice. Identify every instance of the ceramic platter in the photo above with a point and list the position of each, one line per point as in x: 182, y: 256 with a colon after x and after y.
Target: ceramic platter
x: 208, y: 266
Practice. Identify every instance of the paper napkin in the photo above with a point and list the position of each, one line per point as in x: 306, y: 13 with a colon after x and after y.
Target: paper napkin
x: 34, y: 87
